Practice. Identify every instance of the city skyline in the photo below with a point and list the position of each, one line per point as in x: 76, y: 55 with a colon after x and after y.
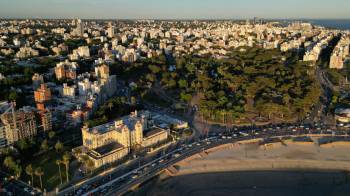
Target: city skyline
x: 157, y: 9
x: 100, y: 97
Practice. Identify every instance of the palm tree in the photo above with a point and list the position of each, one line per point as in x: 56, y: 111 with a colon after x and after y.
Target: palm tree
x: 65, y: 161
x: 18, y: 171
x: 58, y: 163
x: 9, y: 162
x: 12, y: 166
x: 133, y: 100
x: 58, y: 146
x: 30, y: 172
x: 39, y: 172
x: 110, y: 106
x: 51, y: 134
x: 44, y: 145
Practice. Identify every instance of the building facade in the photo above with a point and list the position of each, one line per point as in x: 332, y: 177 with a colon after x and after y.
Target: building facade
x: 113, y: 141
x: 19, y: 125
x: 42, y: 94
x: 66, y: 70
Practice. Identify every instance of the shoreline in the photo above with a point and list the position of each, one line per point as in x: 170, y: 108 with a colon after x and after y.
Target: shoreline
x: 275, y: 182
x: 293, y: 160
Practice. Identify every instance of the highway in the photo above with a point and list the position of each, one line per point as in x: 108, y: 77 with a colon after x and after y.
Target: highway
x: 124, y: 182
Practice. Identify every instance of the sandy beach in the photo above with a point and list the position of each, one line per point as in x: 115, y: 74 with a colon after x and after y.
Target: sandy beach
x: 251, y: 169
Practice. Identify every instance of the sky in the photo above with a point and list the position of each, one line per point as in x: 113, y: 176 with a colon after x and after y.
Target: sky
x: 176, y: 9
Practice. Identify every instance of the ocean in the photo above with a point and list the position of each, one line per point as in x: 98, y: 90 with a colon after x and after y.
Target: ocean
x: 257, y: 183
x: 343, y: 24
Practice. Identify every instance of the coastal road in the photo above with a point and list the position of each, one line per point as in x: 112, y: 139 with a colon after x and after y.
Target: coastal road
x: 121, y: 185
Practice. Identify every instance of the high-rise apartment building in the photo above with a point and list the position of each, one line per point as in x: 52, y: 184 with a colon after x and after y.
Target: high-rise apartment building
x: 19, y: 124
x: 42, y: 94
x: 111, y: 30
x: 66, y: 70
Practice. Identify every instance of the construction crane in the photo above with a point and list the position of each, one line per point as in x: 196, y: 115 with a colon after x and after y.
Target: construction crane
x: 12, y: 109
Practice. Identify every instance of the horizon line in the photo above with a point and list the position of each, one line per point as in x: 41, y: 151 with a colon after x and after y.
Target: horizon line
x: 178, y: 19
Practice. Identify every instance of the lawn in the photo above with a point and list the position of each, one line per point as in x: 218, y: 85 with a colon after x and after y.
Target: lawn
x: 51, y: 177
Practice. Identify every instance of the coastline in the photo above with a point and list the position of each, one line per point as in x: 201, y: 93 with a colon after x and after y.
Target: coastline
x: 284, y: 182
x: 249, y: 161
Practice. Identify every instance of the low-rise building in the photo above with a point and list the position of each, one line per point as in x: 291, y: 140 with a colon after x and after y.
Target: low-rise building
x: 26, y: 52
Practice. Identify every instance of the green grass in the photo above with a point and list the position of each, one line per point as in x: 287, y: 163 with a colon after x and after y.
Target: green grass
x: 51, y: 178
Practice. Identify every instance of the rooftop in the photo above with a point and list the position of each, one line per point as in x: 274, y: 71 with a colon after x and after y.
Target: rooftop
x: 128, y: 121
x: 103, y: 150
x: 153, y: 132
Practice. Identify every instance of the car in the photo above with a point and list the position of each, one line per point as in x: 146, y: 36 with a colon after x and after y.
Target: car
x: 176, y: 155
x: 211, y: 138
x: 135, y: 171
x: 244, y: 134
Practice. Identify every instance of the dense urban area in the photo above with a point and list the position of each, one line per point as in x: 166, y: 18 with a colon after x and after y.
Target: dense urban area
x: 88, y: 106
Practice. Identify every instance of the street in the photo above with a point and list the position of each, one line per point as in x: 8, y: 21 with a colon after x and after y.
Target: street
x: 113, y: 184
